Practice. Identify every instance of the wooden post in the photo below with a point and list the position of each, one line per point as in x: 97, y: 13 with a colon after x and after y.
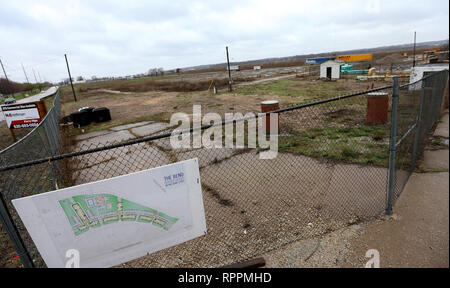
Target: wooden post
x: 42, y: 108
x: 13, y: 135
x: 229, y: 72
x: 70, y: 78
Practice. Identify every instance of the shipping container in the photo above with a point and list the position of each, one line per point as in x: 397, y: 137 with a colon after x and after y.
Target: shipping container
x: 316, y: 60
x: 355, y: 58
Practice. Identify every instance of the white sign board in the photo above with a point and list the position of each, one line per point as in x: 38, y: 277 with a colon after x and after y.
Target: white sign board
x: 21, y: 115
x: 119, y: 219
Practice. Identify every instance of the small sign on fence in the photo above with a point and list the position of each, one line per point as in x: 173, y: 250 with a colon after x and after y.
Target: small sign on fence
x: 26, y: 115
x: 113, y: 221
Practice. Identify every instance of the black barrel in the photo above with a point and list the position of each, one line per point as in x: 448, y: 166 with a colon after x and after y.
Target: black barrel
x: 67, y: 119
x: 81, y: 118
x: 88, y: 109
x: 101, y: 114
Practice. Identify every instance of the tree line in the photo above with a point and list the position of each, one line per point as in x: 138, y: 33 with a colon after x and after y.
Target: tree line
x: 10, y: 87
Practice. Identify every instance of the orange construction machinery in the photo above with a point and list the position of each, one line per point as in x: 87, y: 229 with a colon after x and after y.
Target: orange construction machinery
x: 430, y: 56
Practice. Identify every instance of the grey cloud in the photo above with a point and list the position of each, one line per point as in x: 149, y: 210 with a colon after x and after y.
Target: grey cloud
x: 126, y: 37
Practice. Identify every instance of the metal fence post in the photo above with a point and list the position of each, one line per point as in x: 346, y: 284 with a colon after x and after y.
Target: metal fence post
x: 13, y: 233
x: 51, y: 146
x: 418, y: 129
x: 392, y: 145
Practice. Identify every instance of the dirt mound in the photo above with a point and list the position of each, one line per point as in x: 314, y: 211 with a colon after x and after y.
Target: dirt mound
x: 391, y: 58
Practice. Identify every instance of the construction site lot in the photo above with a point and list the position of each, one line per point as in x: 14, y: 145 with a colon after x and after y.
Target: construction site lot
x: 341, y: 123
x: 157, y: 98
x: 317, y: 183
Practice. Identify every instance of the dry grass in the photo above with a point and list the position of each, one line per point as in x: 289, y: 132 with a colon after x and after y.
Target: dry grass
x: 172, y: 86
x: 6, y: 138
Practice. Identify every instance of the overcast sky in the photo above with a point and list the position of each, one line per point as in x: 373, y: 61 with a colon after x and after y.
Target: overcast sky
x: 113, y: 38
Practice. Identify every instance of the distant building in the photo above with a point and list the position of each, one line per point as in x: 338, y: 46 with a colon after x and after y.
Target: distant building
x: 256, y: 67
x: 234, y: 68
x: 420, y: 71
x: 331, y: 69
x: 316, y: 60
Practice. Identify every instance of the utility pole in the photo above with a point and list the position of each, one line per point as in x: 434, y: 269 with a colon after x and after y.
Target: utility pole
x: 10, y: 90
x: 414, y: 51
x: 25, y: 73
x: 70, y: 78
x: 35, y: 79
x: 7, y: 80
x: 229, y: 72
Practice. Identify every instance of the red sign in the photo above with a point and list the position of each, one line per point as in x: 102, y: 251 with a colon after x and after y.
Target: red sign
x: 25, y: 123
x: 22, y: 115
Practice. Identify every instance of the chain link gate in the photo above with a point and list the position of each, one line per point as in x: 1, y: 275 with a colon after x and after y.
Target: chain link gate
x: 332, y: 170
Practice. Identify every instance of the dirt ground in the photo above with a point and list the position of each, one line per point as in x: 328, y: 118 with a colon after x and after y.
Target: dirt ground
x: 7, y: 253
x: 250, y: 204
x: 126, y: 107
x: 250, y: 88
x: 6, y: 139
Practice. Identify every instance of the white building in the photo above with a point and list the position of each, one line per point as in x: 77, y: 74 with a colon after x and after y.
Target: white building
x: 331, y: 69
x: 418, y: 72
x: 234, y: 68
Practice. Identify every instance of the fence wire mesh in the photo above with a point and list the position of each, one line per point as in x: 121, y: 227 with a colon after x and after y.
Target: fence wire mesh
x: 418, y: 111
x: 43, y: 141
x: 331, y: 171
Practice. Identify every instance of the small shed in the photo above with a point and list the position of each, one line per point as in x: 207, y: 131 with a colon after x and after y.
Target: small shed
x: 234, y: 68
x: 331, y: 69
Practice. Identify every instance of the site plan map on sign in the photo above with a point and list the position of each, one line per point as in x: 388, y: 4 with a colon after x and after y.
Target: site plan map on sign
x: 116, y: 220
x: 91, y: 211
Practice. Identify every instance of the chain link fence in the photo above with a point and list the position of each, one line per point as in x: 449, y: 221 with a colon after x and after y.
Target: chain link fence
x: 43, y: 141
x: 331, y: 171
x: 418, y: 110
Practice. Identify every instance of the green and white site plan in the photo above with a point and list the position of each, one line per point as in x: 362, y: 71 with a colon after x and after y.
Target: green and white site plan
x: 116, y: 220
x: 91, y: 211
